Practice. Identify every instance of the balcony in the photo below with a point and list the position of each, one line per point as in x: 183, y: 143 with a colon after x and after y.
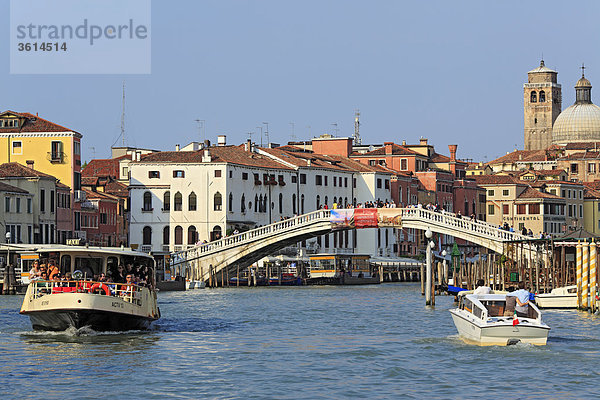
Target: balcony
x: 56, y: 157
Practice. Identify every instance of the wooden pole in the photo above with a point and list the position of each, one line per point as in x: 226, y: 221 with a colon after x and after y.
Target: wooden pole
x: 578, y: 269
x: 422, y: 275
x: 585, y: 275
x: 237, y: 283
x: 593, y: 258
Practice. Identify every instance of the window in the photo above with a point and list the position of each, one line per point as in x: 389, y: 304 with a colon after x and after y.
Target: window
x: 533, y: 97
x: 244, y: 176
x: 318, y: 202
x: 18, y: 204
x: 294, y: 203
x: 243, y: 203
x: 581, y: 194
x: 294, y: 179
x: 218, y: 201
x: 301, y: 204
x: 125, y: 173
x: 542, y: 96
x: 318, y: 180
x: 482, y: 198
x: 345, y: 182
x: 491, y: 192
x: 7, y: 204
x: 326, y: 180
x: 77, y: 148
x: 178, y: 235
x: 534, y: 208
x: 178, y: 202
x: 147, y: 201
x: 167, y: 201
x: 103, y: 218
x: 564, y: 193
x: 580, y: 210
x: 231, y: 174
x: 372, y: 163
x: 386, y: 184
x: 147, y: 235
x: 192, y: 202
x: 521, y: 208
x: 77, y: 180
x: 505, y: 209
x: 217, y: 173
x: 52, y: 198
x: 334, y: 181
x: 378, y: 183
x: 573, y: 168
x: 592, y: 168
x: 42, y: 200
x: 354, y: 183
x: 505, y: 192
x: 303, y: 179
x: 56, y: 153
x: 178, y: 174
x: 490, y: 209
x: 17, y: 147
x: 280, y: 203
x: 166, y: 234
x: 153, y: 174
x: 29, y: 206
x: 403, y: 164
x: 192, y: 235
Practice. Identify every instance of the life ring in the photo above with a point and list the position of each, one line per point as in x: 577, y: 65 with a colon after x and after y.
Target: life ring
x: 100, y: 286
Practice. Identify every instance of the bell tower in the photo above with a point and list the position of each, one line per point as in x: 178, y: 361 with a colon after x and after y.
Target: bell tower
x: 542, y: 99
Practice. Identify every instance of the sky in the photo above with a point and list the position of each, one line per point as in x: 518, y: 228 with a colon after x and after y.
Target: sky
x: 451, y: 72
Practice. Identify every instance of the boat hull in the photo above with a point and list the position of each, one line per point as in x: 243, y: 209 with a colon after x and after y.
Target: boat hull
x: 60, y: 320
x: 556, y: 301
x: 499, y: 334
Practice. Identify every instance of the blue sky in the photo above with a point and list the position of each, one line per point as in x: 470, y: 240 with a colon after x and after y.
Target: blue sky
x: 448, y: 71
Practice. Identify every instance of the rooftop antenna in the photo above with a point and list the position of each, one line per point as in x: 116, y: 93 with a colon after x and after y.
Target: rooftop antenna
x: 335, y: 129
x: 293, y: 136
x: 123, y: 117
x: 267, y: 134
x: 357, y: 140
x: 93, y: 149
x: 201, y: 129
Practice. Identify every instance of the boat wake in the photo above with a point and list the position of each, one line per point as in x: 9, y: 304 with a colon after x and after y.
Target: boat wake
x: 74, y: 332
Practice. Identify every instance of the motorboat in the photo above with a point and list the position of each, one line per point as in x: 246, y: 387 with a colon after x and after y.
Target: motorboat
x: 480, y: 319
x: 83, y: 300
x: 562, y: 297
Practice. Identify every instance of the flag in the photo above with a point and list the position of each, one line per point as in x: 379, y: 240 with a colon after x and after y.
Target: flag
x: 515, y: 319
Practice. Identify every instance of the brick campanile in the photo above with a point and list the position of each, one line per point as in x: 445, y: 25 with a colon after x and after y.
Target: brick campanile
x: 542, y: 99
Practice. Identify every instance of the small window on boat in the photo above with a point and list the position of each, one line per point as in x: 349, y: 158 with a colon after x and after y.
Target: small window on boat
x: 477, y: 312
x: 65, y: 264
x: 112, y: 265
x: 468, y: 305
x: 88, y: 266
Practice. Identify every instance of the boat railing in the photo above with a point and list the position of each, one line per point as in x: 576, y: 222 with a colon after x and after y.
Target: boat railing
x: 128, y: 292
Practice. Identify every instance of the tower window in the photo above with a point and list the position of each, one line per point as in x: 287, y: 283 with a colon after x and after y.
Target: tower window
x: 534, y: 97
x: 542, y: 96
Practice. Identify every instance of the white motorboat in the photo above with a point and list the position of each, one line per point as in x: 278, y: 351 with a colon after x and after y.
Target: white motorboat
x: 83, y: 301
x: 480, y: 320
x: 562, y: 297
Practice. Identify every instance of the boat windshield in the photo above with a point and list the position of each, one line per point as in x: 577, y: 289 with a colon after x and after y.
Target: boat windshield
x: 495, y: 308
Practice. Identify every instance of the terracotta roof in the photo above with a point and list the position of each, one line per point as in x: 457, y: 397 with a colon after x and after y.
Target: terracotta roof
x: 219, y: 154
x: 497, y: 180
x: 521, y: 155
x: 90, y: 194
x: 582, y: 146
x: 16, y: 170
x: 584, y: 155
x: 339, y: 163
x: 531, y: 193
x: 590, y: 193
x: 5, y: 187
x: 33, y: 123
x: 116, y: 189
x: 102, y: 167
x: 397, y: 150
x: 89, y: 180
x: 544, y: 172
x: 62, y: 185
x: 592, y: 185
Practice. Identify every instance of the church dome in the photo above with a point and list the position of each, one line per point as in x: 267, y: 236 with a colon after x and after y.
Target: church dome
x: 578, y: 123
x: 581, y: 121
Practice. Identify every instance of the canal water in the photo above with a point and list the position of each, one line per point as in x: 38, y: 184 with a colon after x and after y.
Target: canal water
x: 296, y: 343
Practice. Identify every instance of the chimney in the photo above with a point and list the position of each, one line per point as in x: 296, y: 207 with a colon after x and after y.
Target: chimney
x: 221, y: 140
x: 248, y: 146
x: 423, y: 142
x: 206, y: 157
x: 133, y: 156
x: 404, y: 143
x: 206, y: 143
x: 138, y: 155
x: 388, y: 148
x: 452, y: 148
x: 30, y: 163
x: 177, y: 147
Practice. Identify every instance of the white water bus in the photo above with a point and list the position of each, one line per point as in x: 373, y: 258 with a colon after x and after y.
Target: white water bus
x: 83, y: 301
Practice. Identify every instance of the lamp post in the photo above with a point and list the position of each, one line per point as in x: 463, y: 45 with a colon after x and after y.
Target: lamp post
x: 7, y: 280
x: 428, y: 235
x: 445, y: 273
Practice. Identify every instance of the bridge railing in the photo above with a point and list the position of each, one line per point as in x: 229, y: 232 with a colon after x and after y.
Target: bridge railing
x: 464, y: 224
x: 251, y: 235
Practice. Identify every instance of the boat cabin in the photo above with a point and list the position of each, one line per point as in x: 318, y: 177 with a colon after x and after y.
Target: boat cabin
x: 338, y: 265
x: 491, y: 306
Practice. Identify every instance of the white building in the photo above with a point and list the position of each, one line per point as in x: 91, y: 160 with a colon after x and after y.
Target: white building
x: 181, y: 197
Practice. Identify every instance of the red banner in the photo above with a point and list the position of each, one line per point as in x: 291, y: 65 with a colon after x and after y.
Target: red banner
x: 365, y: 218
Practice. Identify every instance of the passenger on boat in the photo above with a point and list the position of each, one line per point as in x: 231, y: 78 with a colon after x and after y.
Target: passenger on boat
x: 34, y: 272
x: 521, y: 298
x: 102, y: 278
x: 52, y: 271
x: 481, y: 288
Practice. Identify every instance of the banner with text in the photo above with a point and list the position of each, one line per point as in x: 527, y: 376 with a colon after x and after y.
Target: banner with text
x: 365, y: 218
